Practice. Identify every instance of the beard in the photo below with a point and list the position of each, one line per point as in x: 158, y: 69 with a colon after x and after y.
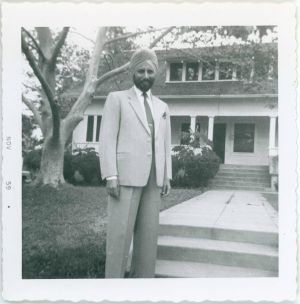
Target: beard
x: 143, y: 84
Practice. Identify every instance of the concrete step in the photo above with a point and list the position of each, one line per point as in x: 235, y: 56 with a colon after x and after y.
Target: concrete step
x: 218, y: 252
x: 244, y: 179
x: 239, y: 183
x: 179, y: 269
x: 244, y: 171
x: 246, y: 188
x: 235, y: 235
x: 228, y: 166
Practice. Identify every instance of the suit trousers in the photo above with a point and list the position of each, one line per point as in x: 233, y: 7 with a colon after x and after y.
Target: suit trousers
x: 135, y: 213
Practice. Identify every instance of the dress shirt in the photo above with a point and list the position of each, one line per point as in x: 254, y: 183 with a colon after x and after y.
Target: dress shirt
x: 140, y: 97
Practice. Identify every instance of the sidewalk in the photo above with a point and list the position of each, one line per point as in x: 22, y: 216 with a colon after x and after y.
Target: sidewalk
x: 221, y: 233
x: 229, y: 209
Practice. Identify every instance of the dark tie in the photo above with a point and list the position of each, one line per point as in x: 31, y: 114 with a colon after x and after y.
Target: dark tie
x: 148, y: 110
x: 149, y: 117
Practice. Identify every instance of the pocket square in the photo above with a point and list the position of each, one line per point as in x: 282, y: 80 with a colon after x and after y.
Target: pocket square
x: 164, y: 115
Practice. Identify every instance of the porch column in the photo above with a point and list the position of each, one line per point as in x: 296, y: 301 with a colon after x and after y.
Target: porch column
x: 193, y: 124
x: 273, y: 160
x: 210, y: 132
x: 272, y: 136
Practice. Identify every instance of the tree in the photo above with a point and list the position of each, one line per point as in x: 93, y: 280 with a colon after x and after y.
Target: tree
x: 42, y: 51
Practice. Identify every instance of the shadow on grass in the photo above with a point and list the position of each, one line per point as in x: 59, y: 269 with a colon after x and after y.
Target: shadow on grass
x: 59, y: 263
x: 64, y: 230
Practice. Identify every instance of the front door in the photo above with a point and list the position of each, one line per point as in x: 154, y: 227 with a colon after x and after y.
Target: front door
x: 219, y: 140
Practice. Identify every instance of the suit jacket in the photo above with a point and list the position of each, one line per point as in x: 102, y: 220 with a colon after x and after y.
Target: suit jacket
x: 125, y: 140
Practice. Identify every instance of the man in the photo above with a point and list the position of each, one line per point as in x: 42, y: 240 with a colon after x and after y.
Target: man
x: 135, y: 145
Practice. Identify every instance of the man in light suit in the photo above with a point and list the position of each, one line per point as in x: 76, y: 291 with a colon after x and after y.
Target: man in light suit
x: 135, y: 145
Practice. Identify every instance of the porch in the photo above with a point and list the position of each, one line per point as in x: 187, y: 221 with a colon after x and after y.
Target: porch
x: 236, y: 139
x: 239, y: 141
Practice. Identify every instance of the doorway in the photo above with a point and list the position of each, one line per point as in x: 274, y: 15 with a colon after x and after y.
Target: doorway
x: 219, y: 140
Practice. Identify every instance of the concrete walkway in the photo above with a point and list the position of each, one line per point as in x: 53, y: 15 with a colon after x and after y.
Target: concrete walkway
x: 241, y: 210
x: 221, y: 233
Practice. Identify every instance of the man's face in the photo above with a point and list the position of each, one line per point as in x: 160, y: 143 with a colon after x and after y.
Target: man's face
x: 144, y: 76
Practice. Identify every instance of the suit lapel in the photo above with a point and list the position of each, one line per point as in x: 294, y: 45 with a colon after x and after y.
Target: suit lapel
x: 135, y: 104
x: 158, y: 109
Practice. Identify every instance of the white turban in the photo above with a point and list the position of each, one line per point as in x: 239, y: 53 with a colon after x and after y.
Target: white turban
x: 141, y: 56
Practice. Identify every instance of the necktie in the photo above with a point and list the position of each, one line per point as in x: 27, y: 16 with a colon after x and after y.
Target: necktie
x: 148, y: 111
x: 149, y: 118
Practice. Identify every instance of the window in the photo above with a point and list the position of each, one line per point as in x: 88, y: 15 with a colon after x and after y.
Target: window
x: 238, y: 72
x: 90, y: 128
x: 225, y: 70
x: 91, y: 135
x: 244, y: 137
x: 192, y: 70
x: 208, y: 70
x: 176, y: 70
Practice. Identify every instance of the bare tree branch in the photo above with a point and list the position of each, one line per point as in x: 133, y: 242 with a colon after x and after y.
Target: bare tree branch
x: 37, y: 47
x: 76, y: 112
x: 45, y: 41
x: 45, y: 86
x: 124, y: 67
x: 130, y: 35
x: 83, y: 36
x: 57, y: 47
x: 96, y: 57
x: 162, y: 35
x: 36, y: 70
x: 36, y: 114
x: 112, y: 73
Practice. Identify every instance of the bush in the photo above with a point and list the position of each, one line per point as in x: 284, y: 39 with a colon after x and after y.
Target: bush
x: 84, y: 163
x: 193, y: 165
x: 80, y: 162
x: 32, y: 160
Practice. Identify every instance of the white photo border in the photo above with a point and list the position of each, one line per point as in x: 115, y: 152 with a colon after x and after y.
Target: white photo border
x: 15, y: 15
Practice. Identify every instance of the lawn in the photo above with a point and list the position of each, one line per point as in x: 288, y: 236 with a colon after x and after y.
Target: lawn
x: 64, y: 230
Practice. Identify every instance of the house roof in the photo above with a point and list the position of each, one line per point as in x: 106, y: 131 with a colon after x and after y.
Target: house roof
x: 161, y: 87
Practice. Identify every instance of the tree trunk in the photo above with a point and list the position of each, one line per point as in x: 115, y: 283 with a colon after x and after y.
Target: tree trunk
x: 52, y: 162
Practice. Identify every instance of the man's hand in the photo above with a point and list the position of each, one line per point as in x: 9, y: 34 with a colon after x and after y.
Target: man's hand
x: 165, y: 190
x: 113, y: 188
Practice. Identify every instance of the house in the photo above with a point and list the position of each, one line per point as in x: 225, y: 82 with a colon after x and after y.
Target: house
x: 228, y: 93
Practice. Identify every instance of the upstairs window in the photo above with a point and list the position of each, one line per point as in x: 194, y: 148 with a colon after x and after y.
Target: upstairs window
x: 208, y: 70
x: 225, y: 70
x: 192, y: 71
x: 176, y: 70
x: 203, y: 71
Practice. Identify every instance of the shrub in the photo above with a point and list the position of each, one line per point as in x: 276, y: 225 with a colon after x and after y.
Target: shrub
x: 84, y: 163
x: 193, y: 164
x: 32, y: 160
x: 69, y: 166
x: 80, y: 162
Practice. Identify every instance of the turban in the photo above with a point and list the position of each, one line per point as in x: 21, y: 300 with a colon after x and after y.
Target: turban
x: 141, y: 56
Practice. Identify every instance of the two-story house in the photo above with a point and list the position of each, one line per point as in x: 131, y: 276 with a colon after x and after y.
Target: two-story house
x: 213, y: 90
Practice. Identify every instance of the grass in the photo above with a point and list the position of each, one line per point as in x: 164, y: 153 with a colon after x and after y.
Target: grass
x: 64, y: 230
